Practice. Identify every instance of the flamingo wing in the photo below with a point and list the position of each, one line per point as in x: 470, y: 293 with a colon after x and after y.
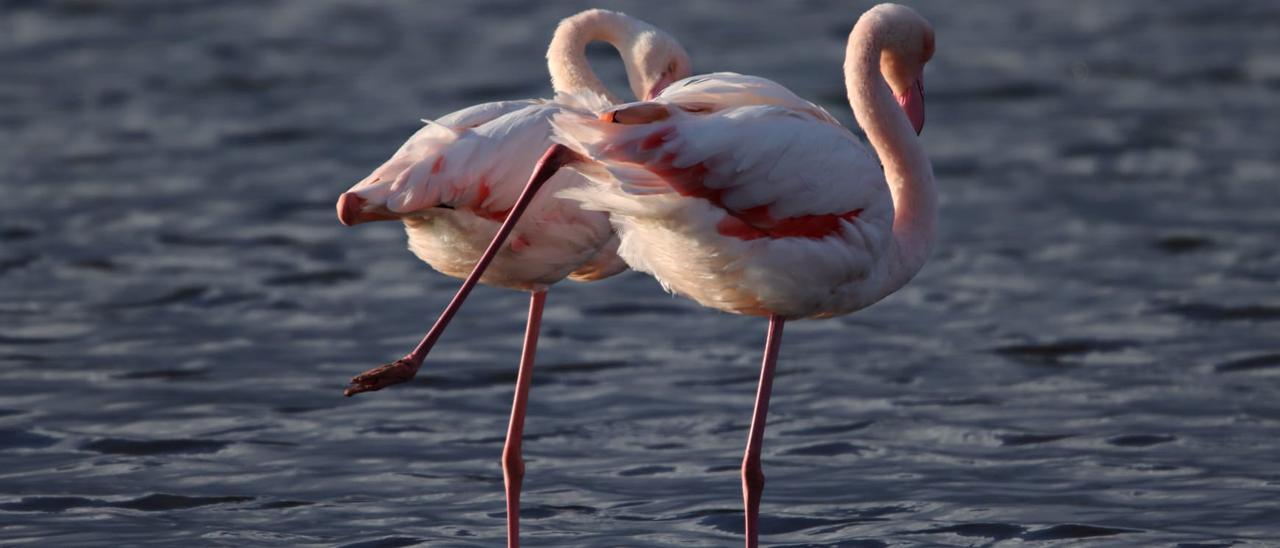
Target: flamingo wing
x: 479, y: 168
x: 432, y: 138
x: 771, y: 171
x: 754, y: 210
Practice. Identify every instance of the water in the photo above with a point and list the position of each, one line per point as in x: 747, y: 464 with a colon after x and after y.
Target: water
x: 1090, y: 358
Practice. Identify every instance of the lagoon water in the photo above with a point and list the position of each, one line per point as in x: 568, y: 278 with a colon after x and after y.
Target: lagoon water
x: 1091, y: 358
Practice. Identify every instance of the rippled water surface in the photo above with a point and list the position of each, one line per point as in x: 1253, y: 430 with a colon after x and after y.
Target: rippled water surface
x: 1091, y: 357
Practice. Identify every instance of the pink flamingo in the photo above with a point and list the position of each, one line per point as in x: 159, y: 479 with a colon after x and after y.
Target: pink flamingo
x: 734, y: 192
x: 458, y: 177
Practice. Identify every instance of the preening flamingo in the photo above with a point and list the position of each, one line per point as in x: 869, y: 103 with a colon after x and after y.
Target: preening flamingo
x: 733, y: 191
x: 455, y: 180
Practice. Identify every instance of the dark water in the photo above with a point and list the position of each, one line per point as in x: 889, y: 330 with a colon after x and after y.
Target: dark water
x: 1090, y: 359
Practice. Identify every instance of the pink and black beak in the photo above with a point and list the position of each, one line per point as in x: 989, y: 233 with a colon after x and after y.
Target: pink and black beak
x: 912, y: 102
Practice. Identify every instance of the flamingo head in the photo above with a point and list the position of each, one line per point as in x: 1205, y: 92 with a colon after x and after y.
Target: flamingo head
x: 655, y: 60
x: 908, y: 46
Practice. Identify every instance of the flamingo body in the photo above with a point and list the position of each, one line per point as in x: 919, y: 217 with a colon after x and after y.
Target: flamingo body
x: 454, y: 181
x: 760, y: 203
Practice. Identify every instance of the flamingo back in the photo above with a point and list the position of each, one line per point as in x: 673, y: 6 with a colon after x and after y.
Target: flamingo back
x: 721, y: 90
x: 757, y: 209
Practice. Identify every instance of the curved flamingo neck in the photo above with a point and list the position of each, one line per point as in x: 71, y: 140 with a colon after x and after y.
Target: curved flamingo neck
x: 906, y: 167
x: 567, y: 54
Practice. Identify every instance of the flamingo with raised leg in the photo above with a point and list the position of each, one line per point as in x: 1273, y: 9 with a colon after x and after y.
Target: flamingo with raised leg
x: 457, y: 178
x: 733, y: 191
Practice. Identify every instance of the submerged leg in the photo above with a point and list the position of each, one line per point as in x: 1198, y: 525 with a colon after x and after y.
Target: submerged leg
x: 512, y: 458
x: 405, y: 368
x: 752, y: 474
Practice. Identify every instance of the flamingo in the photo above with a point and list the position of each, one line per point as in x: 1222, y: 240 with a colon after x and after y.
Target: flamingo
x: 458, y: 177
x: 734, y: 192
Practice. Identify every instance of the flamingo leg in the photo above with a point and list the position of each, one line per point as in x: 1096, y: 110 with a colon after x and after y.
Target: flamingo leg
x: 406, y: 368
x: 512, y: 458
x: 752, y: 473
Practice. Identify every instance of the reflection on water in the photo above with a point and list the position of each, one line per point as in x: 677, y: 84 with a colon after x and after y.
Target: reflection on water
x: 1089, y: 358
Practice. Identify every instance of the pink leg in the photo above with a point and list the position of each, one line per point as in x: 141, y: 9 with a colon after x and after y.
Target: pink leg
x: 512, y: 459
x: 752, y: 474
x: 405, y: 368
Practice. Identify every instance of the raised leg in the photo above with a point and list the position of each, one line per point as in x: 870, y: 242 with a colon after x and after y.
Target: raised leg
x: 405, y: 368
x: 752, y: 474
x: 512, y: 458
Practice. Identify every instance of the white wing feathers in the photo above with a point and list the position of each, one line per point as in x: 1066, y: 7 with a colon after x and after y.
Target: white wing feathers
x: 583, y: 100
x: 478, y: 155
x: 747, y: 157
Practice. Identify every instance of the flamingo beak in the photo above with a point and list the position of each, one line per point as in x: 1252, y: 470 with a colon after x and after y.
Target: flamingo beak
x: 353, y: 210
x: 912, y: 103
